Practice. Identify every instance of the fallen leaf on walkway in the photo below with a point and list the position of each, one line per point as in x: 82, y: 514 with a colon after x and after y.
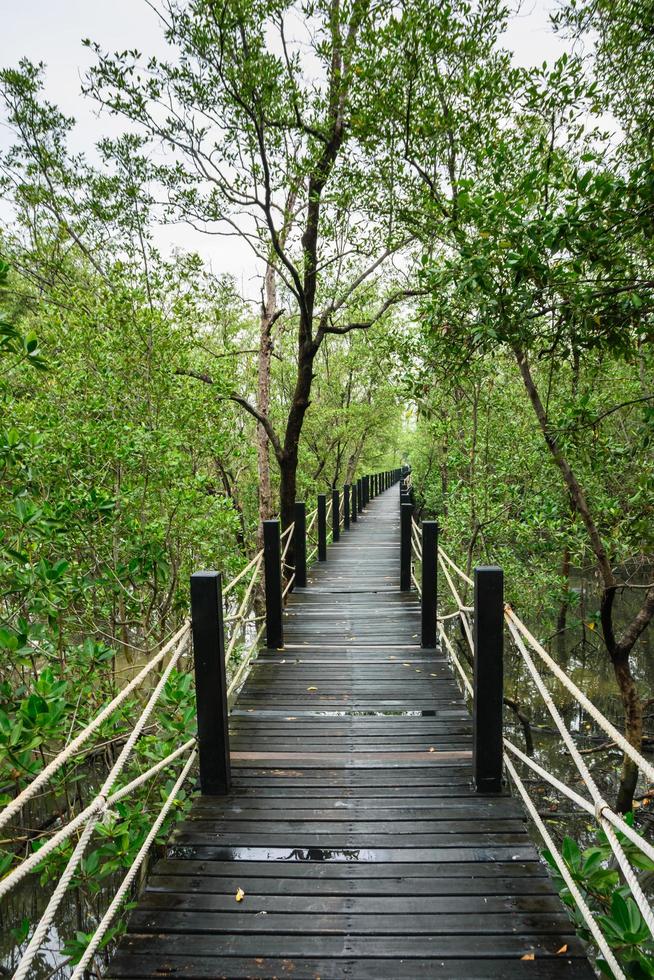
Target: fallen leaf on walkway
x: 312, y: 689
x: 528, y: 956
x: 240, y: 895
x: 564, y: 949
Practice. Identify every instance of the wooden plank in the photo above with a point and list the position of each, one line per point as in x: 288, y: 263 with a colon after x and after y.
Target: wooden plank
x: 351, y: 825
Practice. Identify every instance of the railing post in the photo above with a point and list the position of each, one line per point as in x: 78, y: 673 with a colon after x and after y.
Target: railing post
x: 360, y: 494
x: 488, y: 679
x: 346, y: 507
x: 210, y: 682
x: 272, y: 561
x: 429, y: 582
x: 366, y: 490
x: 353, y: 490
x: 336, y: 515
x: 300, y: 544
x: 322, y: 527
x: 406, y: 512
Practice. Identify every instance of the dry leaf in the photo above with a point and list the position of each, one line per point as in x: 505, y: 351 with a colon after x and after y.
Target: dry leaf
x: 240, y: 895
x: 528, y: 956
x: 564, y: 949
x: 431, y: 748
x: 406, y: 665
x: 312, y: 689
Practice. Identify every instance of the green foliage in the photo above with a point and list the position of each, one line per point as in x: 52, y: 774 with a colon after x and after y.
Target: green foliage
x: 593, y: 871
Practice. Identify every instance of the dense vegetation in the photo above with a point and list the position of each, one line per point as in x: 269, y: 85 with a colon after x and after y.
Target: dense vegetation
x: 456, y: 265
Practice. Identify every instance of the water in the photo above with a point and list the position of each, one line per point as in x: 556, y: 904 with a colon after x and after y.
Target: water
x: 580, y: 654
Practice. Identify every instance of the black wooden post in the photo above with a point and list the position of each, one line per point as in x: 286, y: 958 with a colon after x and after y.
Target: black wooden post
x: 210, y: 682
x: 366, y: 490
x: 406, y: 512
x: 336, y: 515
x: 272, y: 563
x: 346, y: 507
x: 322, y: 527
x: 300, y: 544
x: 353, y: 489
x: 360, y: 494
x: 429, y: 582
x: 488, y: 680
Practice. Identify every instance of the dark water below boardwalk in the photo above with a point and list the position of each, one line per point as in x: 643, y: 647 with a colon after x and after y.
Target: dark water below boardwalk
x: 582, y: 657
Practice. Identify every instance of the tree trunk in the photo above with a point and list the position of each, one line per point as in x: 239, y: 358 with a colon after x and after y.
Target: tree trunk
x: 268, y: 312
x: 562, y: 618
x: 633, y: 729
x: 617, y: 649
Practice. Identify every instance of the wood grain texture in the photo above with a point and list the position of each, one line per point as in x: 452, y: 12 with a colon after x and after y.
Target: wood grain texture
x: 351, y: 825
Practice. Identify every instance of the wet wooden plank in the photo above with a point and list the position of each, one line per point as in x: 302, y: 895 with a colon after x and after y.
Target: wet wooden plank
x: 351, y: 825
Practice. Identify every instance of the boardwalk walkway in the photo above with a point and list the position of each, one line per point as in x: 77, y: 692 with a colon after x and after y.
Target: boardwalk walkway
x: 351, y: 827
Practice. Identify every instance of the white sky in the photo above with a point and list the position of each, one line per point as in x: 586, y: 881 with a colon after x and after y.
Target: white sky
x: 52, y: 30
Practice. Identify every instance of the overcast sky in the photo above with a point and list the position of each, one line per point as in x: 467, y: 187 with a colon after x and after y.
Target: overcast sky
x: 52, y: 30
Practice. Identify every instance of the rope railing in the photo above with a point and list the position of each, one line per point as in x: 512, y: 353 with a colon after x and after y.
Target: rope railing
x: 606, y: 818
x: 73, y: 748
x: 207, y: 625
x: 93, y: 816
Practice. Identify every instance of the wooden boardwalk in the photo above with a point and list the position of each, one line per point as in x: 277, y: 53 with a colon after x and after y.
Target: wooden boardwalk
x: 351, y: 827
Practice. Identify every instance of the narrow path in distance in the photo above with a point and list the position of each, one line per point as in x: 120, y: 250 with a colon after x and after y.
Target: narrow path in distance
x: 351, y: 826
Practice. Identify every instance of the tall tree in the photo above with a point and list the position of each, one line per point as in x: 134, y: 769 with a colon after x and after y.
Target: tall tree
x: 265, y: 112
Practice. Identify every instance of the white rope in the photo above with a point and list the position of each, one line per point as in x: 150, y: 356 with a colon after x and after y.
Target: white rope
x: 28, y: 865
x: 288, y: 586
x: 607, y: 813
x: 454, y: 615
x: 565, y: 874
x: 600, y: 804
x: 455, y: 660
x: 312, y: 517
x: 108, y: 917
x: 603, y: 722
x: 290, y: 529
x: 245, y: 663
x: 459, y: 571
x: 230, y: 585
x: 462, y: 608
x: 72, y: 748
x: 287, y: 531
x: 240, y: 615
x: 77, y: 855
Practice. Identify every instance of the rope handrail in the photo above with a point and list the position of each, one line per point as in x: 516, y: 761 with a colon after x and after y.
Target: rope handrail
x: 230, y: 585
x: 72, y: 748
x: 288, y: 531
x: 564, y: 871
x: 83, y: 825
x: 62, y: 835
x: 238, y: 677
x: 289, y: 534
x: 580, y: 697
x: 608, y: 820
x: 78, y: 853
x: 126, y: 883
x: 459, y: 571
x: 243, y: 610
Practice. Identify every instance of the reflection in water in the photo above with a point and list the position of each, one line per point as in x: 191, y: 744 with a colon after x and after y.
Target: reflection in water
x: 335, y: 854
x: 581, y: 654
